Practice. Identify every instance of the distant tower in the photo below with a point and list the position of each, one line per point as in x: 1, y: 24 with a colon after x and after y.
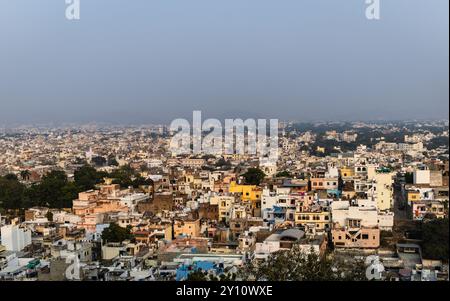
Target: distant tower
x: 89, y: 154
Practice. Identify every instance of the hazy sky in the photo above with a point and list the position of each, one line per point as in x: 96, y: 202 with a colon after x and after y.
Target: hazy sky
x: 144, y: 61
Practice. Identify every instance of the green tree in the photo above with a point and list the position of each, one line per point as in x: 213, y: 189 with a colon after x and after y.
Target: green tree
x: 99, y: 161
x: 123, y: 176
x: 49, y: 216
x: 112, y: 161
x: 86, y: 177
x: 115, y: 233
x: 409, y: 178
x: 197, y: 275
x: 141, y: 181
x: 11, y: 192
x: 222, y: 163
x: 69, y: 193
x: 53, y: 191
x: 283, y: 174
x: 11, y: 177
x: 25, y: 175
x: 254, y: 176
x: 435, y: 239
x: 297, y: 265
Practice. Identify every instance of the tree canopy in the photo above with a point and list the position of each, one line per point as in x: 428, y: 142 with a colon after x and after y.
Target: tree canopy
x: 115, y: 233
x: 283, y: 174
x: 254, y: 176
x: 297, y: 265
x: 87, y: 177
x: 56, y: 191
x: 435, y: 239
x: 11, y: 193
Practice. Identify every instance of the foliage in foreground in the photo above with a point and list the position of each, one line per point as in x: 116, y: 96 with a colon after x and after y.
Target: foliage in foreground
x: 296, y: 265
x: 291, y: 265
x: 435, y: 239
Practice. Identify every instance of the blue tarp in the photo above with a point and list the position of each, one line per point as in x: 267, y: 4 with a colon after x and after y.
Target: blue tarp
x: 184, y: 270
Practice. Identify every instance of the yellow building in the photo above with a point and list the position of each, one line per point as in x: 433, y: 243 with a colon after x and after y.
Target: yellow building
x: 413, y: 196
x: 248, y: 192
x: 187, y: 227
x: 384, y: 192
x: 224, y: 203
x: 189, y: 178
x: 347, y: 172
x: 322, y: 219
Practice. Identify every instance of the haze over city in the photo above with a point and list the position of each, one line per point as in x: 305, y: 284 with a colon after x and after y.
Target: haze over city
x: 152, y: 61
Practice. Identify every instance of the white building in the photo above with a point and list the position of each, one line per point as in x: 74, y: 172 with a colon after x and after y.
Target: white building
x: 131, y: 200
x: 421, y: 176
x: 365, y: 211
x: 283, y: 240
x: 15, y: 238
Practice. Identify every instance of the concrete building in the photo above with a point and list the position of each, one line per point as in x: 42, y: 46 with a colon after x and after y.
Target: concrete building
x: 421, y: 176
x: 15, y: 238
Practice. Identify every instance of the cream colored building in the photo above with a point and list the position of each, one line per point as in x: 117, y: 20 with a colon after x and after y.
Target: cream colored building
x: 224, y: 203
x: 381, y: 190
x: 190, y: 228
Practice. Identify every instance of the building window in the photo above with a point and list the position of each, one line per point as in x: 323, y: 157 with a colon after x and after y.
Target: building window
x: 365, y: 236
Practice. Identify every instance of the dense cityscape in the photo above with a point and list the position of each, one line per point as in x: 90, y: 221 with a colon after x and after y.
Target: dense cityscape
x: 344, y: 201
x: 210, y: 149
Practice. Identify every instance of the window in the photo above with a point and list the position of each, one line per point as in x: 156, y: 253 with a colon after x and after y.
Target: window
x: 365, y: 236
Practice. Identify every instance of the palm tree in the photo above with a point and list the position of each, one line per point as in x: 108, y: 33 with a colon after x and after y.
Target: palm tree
x: 25, y: 175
